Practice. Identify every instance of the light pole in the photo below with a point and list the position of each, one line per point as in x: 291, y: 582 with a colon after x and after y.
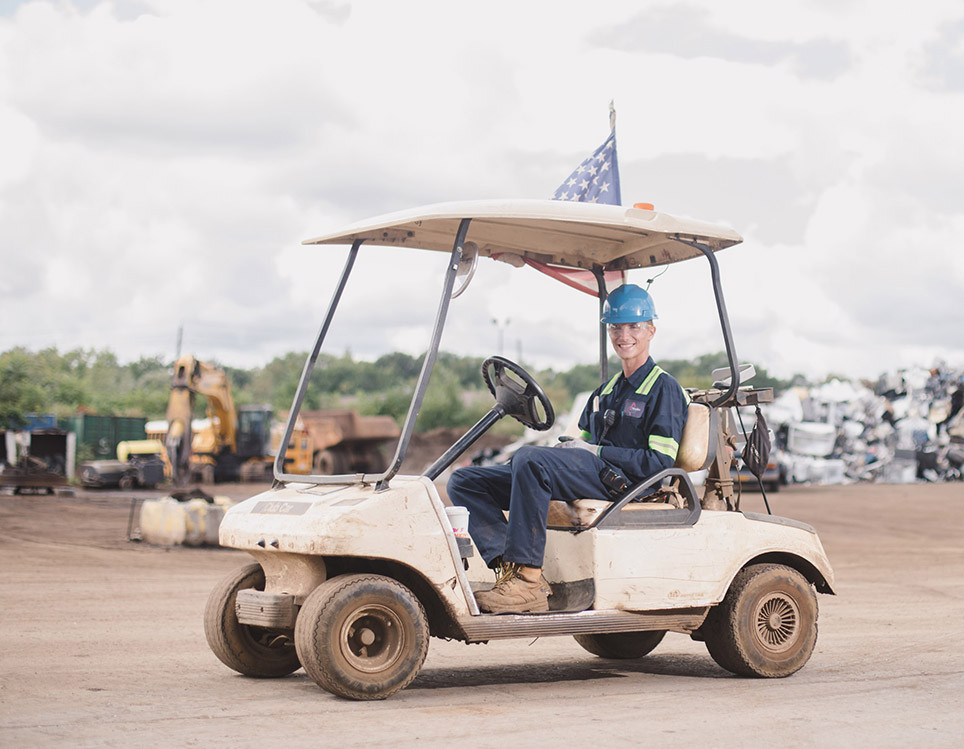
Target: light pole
x: 501, y: 325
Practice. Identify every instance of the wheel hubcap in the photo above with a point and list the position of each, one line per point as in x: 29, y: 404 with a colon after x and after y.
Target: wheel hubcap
x: 372, y: 638
x: 777, y: 622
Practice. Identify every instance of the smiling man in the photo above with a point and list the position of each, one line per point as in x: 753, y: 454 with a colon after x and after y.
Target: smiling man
x: 631, y: 428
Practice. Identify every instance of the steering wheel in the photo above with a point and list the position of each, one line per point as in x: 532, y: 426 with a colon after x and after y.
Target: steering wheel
x: 520, y: 395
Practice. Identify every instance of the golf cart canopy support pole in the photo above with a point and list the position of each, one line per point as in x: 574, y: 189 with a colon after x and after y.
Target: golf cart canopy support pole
x: 600, y: 275
x: 421, y: 386
x: 724, y: 320
x: 430, y: 356
x: 279, y: 461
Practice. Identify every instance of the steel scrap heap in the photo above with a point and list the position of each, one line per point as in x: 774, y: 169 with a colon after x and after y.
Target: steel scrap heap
x: 906, y: 427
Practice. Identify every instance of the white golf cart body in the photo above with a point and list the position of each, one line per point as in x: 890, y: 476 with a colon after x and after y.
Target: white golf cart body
x: 635, y: 567
x: 652, y: 574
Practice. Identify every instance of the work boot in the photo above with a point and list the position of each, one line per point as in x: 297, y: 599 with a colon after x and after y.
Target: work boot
x: 519, y: 590
x: 501, y: 567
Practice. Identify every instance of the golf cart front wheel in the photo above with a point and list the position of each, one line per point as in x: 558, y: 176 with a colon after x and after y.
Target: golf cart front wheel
x: 621, y: 645
x: 252, y: 651
x: 766, y: 625
x: 362, y: 637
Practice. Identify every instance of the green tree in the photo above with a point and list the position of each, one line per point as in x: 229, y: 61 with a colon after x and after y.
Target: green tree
x: 21, y: 389
x: 94, y: 380
x: 442, y: 406
x: 399, y: 367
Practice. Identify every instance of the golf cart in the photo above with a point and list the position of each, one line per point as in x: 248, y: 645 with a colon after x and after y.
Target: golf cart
x: 352, y: 574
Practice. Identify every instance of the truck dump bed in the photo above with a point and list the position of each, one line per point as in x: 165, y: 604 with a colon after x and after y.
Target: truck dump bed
x: 335, y: 426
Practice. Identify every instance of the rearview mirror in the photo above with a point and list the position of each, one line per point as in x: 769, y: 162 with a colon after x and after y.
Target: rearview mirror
x: 466, y: 269
x: 722, y: 376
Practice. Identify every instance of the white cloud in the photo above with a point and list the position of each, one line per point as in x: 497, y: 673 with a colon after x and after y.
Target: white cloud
x: 163, y: 160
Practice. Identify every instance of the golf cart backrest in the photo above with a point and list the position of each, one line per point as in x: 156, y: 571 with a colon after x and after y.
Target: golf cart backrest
x: 697, y: 447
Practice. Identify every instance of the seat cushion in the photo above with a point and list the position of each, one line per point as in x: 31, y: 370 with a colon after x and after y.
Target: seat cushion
x: 582, y: 512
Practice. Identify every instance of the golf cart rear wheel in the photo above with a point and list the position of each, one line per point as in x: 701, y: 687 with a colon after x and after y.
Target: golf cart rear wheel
x: 766, y: 625
x: 622, y: 645
x: 363, y: 637
x: 252, y: 651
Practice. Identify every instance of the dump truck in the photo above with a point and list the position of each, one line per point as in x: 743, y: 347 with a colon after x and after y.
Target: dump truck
x: 343, y: 441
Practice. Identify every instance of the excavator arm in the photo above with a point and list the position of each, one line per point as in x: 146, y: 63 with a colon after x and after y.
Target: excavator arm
x: 190, y: 378
x: 213, y: 384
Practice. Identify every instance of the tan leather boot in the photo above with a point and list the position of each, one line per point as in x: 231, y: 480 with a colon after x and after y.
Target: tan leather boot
x: 519, y: 590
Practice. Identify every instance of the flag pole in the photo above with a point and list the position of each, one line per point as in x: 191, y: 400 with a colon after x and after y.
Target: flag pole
x: 612, y: 115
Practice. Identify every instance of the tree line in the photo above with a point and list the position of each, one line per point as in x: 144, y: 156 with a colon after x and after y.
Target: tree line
x: 94, y: 381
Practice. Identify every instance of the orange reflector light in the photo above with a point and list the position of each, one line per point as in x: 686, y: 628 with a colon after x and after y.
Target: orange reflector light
x: 644, y: 206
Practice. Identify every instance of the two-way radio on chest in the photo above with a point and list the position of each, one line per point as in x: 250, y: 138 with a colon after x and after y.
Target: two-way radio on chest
x: 609, y: 418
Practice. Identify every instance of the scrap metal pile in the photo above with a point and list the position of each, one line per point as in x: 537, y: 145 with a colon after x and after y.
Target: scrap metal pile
x: 906, y: 427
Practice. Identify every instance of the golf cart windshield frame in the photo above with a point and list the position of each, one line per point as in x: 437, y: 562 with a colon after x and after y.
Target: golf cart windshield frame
x: 382, y: 479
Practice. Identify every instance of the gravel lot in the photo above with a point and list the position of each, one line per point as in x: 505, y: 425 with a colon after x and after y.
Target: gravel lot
x: 101, y: 644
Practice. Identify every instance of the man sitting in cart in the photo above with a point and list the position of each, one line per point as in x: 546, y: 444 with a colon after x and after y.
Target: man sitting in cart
x: 632, y: 425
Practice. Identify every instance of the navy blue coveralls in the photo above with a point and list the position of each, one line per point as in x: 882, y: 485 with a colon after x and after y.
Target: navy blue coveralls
x: 650, y: 408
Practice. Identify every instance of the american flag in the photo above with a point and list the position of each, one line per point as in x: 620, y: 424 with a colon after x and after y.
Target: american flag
x: 596, y: 179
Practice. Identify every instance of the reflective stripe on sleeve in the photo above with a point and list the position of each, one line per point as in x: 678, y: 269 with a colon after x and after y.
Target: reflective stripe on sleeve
x: 666, y: 445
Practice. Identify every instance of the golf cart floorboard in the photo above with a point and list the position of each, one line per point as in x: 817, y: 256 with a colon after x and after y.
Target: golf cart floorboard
x: 504, y: 626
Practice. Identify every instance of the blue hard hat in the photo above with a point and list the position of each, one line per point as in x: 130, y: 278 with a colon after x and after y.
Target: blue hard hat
x: 628, y: 303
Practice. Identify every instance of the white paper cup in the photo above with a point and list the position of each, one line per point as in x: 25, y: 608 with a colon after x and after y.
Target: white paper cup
x: 459, y: 518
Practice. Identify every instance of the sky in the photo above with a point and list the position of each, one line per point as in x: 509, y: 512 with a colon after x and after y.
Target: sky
x: 162, y: 160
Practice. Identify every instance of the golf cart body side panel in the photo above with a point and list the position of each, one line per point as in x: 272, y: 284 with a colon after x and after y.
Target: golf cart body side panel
x: 647, y: 569
x: 406, y: 524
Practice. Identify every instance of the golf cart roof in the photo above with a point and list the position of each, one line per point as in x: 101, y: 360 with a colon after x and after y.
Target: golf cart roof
x: 576, y: 235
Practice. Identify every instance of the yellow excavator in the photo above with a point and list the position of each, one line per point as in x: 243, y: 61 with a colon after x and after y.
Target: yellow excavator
x: 233, y: 445
x: 240, y: 444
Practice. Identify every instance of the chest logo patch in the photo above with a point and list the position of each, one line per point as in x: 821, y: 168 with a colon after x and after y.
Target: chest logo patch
x: 633, y: 409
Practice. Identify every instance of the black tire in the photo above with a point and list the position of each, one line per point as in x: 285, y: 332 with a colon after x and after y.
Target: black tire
x: 362, y: 637
x: 621, y: 645
x: 252, y: 651
x: 126, y: 483
x: 375, y: 461
x: 766, y: 625
x: 326, y: 463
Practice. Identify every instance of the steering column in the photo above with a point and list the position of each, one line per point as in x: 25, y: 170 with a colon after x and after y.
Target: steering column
x: 516, y: 393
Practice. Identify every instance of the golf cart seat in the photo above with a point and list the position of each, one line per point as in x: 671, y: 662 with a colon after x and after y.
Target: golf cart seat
x: 697, y: 450
x: 697, y: 447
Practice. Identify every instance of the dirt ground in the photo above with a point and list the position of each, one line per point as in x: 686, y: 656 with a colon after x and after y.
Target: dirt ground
x: 101, y: 644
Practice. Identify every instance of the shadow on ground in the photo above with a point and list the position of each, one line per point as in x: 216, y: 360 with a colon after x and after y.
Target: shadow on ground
x: 693, y: 666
